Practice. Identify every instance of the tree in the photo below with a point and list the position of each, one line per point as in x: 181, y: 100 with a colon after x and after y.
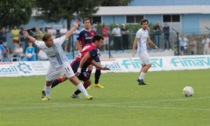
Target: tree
x: 15, y: 13
x: 54, y: 10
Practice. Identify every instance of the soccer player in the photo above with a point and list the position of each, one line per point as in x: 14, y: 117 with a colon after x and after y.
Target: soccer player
x: 141, y: 39
x: 58, y: 61
x: 88, y: 55
x: 84, y: 38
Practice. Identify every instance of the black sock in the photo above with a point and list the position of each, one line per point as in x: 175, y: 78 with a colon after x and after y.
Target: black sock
x: 55, y: 82
x: 77, y: 92
x: 97, y: 76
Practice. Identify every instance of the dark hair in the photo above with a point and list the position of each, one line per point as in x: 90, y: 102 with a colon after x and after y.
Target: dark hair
x: 85, y: 19
x: 46, y: 37
x: 144, y: 20
x: 97, y: 38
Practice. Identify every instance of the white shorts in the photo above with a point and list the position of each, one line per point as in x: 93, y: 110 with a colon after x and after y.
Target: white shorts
x: 106, y: 41
x: 145, y: 60
x: 55, y: 72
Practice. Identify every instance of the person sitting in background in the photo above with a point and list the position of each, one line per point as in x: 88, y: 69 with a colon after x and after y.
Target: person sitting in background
x: 30, y: 52
x: 17, y: 52
x: 42, y: 55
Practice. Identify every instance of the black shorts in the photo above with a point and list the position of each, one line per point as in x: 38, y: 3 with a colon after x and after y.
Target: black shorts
x: 84, y: 75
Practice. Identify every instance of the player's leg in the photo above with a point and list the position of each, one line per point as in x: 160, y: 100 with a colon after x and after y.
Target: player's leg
x: 77, y: 92
x: 70, y: 75
x: 146, y: 64
x: 58, y: 81
x: 97, y: 75
x: 47, y: 90
x: 52, y: 74
x: 85, y: 77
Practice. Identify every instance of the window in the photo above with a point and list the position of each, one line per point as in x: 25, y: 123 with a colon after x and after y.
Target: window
x: 96, y: 19
x: 171, y: 18
x: 134, y: 19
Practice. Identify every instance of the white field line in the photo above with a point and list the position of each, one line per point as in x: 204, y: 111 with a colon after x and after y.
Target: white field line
x: 115, y: 105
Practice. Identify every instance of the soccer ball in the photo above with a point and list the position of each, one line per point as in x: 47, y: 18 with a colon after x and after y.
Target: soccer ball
x: 188, y: 91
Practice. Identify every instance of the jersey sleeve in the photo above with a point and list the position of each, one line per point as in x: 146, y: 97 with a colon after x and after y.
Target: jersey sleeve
x: 97, y: 59
x: 40, y: 44
x: 60, y: 40
x: 93, y: 53
x: 79, y: 36
x: 138, y: 34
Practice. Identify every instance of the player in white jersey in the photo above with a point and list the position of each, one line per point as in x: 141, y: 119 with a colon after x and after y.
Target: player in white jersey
x: 58, y: 61
x: 142, y: 37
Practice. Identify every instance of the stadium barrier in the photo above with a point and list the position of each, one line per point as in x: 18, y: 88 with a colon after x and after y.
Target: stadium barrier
x: 167, y: 63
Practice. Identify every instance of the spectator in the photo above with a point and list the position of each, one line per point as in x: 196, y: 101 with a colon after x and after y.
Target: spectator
x: 166, y: 31
x: 52, y: 31
x: 15, y: 34
x: 3, y: 40
x: 38, y: 33
x: 206, y: 45
x: 157, y: 32
x: 125, y: 37
x: 183, y: 43
x: 105, y: 33
x: 63, y: 31
x: 193, y: 46
x: 42, y: 55
x: 30, y: 52
x: 117, y: 37
x: 22, y: 38
x: 17, y: 52
x: 75, y: 35
x: 2, y: 52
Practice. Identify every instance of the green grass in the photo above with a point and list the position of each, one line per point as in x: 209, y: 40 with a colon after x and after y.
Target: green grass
x: 121, y: 103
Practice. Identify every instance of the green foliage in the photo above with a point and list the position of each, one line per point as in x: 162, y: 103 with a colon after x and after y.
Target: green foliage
x: 15, y: 12
x: 55, y: 10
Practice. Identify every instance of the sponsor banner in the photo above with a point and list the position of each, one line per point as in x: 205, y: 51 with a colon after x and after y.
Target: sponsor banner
x: 159, y: 63
x: 12, y: 69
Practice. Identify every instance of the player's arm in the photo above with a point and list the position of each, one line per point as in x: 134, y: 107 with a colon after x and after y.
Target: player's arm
x: 98, y: 65
x: 134, y: 46
x: 82, y: 62
x: 32, y: 39
x: 152, y: 43
x: 69, y: 33
x: 79, y: 46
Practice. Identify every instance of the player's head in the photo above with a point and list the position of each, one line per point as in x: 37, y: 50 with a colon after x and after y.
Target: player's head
x: 86, y: 22
x: 98, y: 40
x: 48, y: 40
x: 144, y: 23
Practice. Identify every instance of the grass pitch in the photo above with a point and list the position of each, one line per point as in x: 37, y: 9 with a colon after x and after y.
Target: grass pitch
x: 121, y: 103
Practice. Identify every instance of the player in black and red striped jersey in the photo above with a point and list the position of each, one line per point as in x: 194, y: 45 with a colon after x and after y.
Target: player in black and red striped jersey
x: 88, y: 55
x: 85, y: 37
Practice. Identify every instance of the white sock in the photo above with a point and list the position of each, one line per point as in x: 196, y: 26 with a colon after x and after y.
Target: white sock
x: 47, y: 91
x: 141, y: 77
x: 82, y: 89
